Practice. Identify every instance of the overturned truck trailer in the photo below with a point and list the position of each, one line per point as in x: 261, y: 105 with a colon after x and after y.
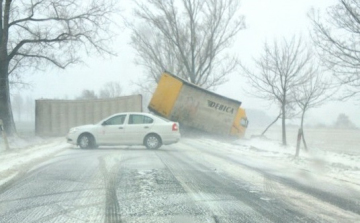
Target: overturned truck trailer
x: 195, y: 107
x: 56, y: 117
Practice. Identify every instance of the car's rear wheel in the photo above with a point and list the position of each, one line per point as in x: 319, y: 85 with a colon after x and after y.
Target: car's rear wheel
x: 86, y: 141
x: 152, y: 141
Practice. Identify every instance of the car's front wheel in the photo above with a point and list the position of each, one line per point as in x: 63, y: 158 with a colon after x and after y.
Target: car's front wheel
x: 86, y: 141
x: 152, y: 141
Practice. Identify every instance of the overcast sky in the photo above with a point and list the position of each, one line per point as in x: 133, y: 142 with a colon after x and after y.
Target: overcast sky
x: 265, y: 20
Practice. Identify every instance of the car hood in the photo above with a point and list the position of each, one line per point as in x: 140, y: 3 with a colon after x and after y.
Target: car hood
x: 85, y: 126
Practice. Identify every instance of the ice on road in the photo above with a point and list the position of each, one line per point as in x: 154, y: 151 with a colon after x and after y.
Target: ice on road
x: 196, y: 180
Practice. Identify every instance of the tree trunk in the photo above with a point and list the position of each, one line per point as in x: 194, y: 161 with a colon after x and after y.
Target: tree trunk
x: 283, y: 125
x: 304, y: 141
x: 298, y: 142
x: 5, y: 104
x: 271, y: 124
x: 302, y: 130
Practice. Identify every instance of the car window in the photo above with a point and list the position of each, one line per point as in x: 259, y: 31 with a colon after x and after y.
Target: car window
x: 140, y: 119
x: 116, y: 120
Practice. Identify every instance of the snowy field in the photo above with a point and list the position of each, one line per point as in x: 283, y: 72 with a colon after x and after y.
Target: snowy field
x: 337, y: 140
x: 333, y: 153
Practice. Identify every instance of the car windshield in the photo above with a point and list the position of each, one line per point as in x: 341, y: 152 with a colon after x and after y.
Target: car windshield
x: 205, y: 111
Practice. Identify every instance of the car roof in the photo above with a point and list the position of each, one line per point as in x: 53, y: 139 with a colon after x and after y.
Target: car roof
x: 132, y: 113
x: 139, y: 113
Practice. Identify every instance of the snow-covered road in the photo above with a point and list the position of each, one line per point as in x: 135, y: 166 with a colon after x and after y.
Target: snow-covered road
x: 196, y: 180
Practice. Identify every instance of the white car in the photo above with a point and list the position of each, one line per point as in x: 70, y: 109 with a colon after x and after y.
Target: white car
x: 134, y: 128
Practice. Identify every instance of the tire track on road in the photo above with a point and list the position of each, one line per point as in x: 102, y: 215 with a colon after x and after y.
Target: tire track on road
x: 112, y: 206
x: 340, y: 202
x: 57, y: 191
x: 221, y: 198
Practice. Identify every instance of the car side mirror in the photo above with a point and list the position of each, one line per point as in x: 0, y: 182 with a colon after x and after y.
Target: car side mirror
x: 104, y: 123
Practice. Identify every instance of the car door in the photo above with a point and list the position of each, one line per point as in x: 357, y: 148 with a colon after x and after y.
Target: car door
x: 112, y: 130
x: 138, y: 127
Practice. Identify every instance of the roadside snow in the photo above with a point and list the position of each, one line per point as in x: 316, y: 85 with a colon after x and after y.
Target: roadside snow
x: 335, y: 165
x: 323, y: 184
x: 25, y: 152
x: 315, y: 168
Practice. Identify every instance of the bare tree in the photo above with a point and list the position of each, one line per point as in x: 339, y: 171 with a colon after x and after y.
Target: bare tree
x: 111, y: 90
x: 279, y: 70
x: 337, y: 39
x: 311, y: 94
x: 343, y: 121
x: 272, y: 123
x: 37, y: 33
x: 87, y: 94
x: 188, y: 38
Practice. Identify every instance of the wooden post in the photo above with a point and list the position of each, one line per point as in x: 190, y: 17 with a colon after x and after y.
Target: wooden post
x: 3, y: 135
x: 298, y: 142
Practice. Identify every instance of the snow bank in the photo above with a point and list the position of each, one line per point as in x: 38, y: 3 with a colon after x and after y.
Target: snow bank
x: 25, y: 153
x: 315, y: 168
x: 267, y: 162
x: 336, y: 165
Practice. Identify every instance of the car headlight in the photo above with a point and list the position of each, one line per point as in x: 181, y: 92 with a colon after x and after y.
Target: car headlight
x: 72, y: 130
